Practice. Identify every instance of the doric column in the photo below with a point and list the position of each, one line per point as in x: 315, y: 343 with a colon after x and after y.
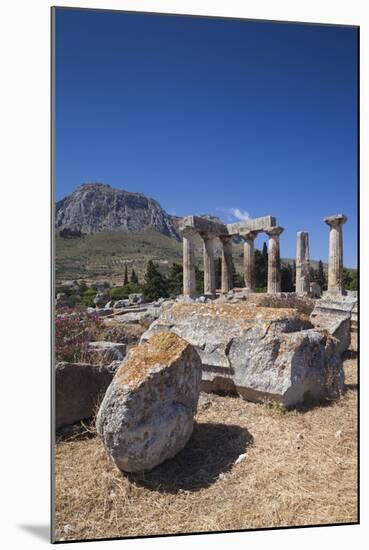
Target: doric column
x: 227, y: 283
x: 189, y: 281
x: 335, y: 267
x: 209, y: 267
x: 274, y: 260
x: 249, y: 259
x: 302, y: 263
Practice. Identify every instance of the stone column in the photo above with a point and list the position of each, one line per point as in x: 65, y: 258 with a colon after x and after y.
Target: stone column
x: 227, y: 283
x: 249, y: 259
x: 274, y: 260
x: 209, y: 267
x: 189, y: 281
x: 302, y: 263
x: 335, y: 267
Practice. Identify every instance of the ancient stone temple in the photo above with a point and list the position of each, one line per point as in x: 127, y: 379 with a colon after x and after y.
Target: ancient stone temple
x: 210, y: 230
x: 335, y: 266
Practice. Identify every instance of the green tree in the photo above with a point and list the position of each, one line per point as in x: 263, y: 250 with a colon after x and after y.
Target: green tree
x: 88, y: 297
x: 237, y: 279
x: 287, y: 282
x: 125, y: 280
x: 156, y: 285
x: 122, y: 292
x: 134, y: 278
x: 82, y: 287
x: 349, y: 279
x: 354, y: 281
x: 294, y: 275
x: 320, y: 276
x: 218, y: 272
x: 199, y: 278
x: 175, y: 280
x: 261, y: 268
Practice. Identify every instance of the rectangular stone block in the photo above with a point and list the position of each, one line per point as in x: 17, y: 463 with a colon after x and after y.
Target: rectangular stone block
x: 207, y: 226
x: 257, y: 224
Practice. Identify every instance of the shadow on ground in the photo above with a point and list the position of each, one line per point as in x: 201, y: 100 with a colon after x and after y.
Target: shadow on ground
x: 212, y: 450
x: 40, y: 531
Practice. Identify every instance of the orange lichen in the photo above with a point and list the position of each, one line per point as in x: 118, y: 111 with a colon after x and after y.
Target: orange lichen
x: 243, y: 312
x: 162, y: 349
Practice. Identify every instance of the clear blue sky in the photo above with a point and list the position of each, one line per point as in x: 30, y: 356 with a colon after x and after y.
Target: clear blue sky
x: 213, y: 116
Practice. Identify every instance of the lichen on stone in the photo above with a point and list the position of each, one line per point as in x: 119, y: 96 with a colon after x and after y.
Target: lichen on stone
x: 162, y: 349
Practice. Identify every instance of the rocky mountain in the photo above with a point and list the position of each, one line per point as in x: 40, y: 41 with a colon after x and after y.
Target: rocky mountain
x: 95, y: 207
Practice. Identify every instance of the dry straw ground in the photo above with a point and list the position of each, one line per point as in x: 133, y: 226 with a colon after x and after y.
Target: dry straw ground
x: 300, y: 468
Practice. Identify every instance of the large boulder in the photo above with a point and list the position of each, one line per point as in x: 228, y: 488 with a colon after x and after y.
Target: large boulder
x: 147, y: 413
x: 79, y: 388
x: 260, y: 353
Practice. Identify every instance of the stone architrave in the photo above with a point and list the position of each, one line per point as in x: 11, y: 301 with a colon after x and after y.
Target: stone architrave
x: 274, y: 260
x: 249, y: 258
x: 335, y: 267
x: 209, y: 266
x: 189, y: 281
x: 227, y: 283
x: 302, y: 263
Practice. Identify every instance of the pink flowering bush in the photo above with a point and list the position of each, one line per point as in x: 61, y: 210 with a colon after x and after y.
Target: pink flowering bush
x: 73, y: 331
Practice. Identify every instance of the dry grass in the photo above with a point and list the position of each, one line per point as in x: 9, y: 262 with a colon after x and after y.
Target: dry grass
x: 300, y: 469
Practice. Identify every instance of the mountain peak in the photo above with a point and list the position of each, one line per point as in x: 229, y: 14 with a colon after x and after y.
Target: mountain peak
x: 94, y: 207
x: 93, y: 185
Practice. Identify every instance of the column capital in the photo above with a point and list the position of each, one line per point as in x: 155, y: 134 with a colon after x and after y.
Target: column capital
x: 273, y: 231
x: 337, y: 220
x: 249, y: 235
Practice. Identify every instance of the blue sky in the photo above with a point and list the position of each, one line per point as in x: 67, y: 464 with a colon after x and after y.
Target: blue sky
x: 224, y: 117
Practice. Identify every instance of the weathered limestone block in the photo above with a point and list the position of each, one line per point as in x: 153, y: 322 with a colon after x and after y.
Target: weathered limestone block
x: 106, y: 352
x: 334, y: 313
x: 256, y: 224
x: 145, y: 316
x: 259, y: 352
x: 79, y: 387
x: 147, y: 413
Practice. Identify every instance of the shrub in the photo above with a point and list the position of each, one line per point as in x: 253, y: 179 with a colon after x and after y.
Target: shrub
x: 122, y: 292
x: 88, y: 297
x: 73, y: 332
